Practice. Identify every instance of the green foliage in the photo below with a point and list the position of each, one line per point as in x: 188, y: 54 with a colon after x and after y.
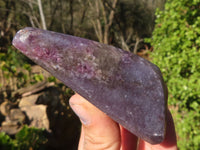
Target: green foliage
x: 9, y: 64
x: 38, y: 78
x: 15, y: 65
x: 6, y: 143
x: 26, y: 138
x: 31, y: 138
x: 51, y: 79
x: 176, y: 41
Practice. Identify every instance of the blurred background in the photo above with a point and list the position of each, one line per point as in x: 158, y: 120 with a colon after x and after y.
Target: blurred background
x: 34, y: 110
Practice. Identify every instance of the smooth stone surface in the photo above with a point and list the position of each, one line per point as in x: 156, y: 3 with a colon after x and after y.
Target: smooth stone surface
x: 125, y: 86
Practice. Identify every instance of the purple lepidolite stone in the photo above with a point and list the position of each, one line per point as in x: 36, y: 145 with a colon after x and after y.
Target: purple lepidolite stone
x: 125, y: 86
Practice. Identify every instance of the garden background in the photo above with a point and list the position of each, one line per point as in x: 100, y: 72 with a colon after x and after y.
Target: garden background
x: 34, y: 105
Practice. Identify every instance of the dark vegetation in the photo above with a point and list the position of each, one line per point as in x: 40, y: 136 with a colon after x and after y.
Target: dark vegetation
x: 175, y: 42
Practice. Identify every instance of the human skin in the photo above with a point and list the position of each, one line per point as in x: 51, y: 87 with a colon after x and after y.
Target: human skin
x: 100, y: 132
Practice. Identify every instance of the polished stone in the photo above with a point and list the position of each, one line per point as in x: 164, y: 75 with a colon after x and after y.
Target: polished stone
x: 125, y: 86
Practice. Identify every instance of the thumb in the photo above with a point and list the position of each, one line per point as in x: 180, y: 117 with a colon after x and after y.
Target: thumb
x: 98, y: 130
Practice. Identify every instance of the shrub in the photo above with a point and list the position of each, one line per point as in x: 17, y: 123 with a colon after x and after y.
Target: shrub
x: 31, y: 138
x: 176, y: 42
x: 6, y: 143
x: 27, y: 138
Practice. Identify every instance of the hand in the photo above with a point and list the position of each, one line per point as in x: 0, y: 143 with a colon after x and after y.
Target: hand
x: 100, y: 132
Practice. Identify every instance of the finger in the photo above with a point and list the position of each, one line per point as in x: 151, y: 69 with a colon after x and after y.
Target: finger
x: 80, y: 147
x: 128, y: 140
x: 169, y: 143
x: 98, y: 130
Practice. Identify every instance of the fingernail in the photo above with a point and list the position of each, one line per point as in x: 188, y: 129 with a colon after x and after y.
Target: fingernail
x: 81, y: 113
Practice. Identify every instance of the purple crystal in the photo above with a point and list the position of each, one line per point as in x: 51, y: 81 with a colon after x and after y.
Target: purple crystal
x: 125, y: 86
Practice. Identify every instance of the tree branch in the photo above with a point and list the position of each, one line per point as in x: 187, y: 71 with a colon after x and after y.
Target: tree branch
x: 138, y: 40
x: 42, y: 15
x: 110, y: 20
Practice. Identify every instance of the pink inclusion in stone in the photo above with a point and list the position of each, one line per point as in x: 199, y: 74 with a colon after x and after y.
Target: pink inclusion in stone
x: 125, y: 86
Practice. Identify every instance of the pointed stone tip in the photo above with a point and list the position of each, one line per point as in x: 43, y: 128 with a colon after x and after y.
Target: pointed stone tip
x: 21, y: 36
x: 20, y: 39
